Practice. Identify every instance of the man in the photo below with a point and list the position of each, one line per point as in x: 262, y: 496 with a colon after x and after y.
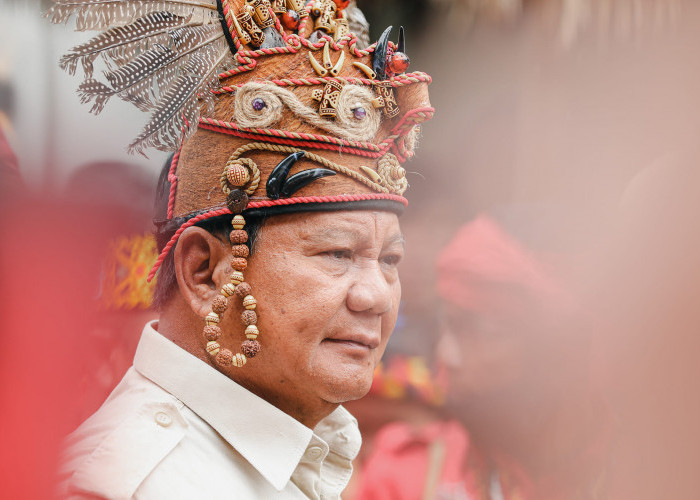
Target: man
x: 279, y: 238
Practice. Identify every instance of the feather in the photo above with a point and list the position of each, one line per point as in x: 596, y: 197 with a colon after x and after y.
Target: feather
x: 132, y: 82
x: 149, y: 76
x: 179, y: 39
x: 157, y: 23
x: 92, y: 89
x: 177, y: 112
x: 160, y: 55
x: 103, y: 14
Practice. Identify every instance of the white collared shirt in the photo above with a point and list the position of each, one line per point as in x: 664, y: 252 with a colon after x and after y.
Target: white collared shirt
x: 176, y: 428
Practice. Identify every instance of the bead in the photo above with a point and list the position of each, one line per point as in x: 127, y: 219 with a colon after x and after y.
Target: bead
x: 252, y: 332
x: 238, y: 222
x: 239, y: 264
x: 237, y: 277
x: 213, y: 347
x: 239, y: 360
x: 237, y: 175
x: 398, y: 62
x: 359, y: 113
x: 243, y: 290
x: 240, y: 251
x: 341, y: 4
x: 212, y: 332
x: 259, y: 104
x: 249, y: 317
x: 212, y: 318
x: 249, y: 302
x: 398, y: 172
x: 228, y: 289
x: 223, y: 358
x: 236, y: 201
x: 238, y: 237
x: 219, y: 304
x: 250, y: 348
x: 290, y: 20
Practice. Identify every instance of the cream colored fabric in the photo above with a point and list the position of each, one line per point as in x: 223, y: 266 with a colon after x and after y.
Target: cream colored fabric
x: 175, y: 428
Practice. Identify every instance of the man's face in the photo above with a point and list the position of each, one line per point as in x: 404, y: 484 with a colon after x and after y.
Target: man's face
x: 328, y: 295
x: 486, y: 353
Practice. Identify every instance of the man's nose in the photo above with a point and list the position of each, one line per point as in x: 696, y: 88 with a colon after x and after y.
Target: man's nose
x: 370, y: 292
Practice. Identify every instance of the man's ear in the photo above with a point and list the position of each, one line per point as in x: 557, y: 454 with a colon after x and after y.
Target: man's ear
x: 199, y: 261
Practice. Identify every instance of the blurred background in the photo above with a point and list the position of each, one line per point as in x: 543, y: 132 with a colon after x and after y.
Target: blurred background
x: 548, y: 339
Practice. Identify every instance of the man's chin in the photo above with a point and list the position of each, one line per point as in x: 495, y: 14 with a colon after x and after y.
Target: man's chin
x: 339, y: 390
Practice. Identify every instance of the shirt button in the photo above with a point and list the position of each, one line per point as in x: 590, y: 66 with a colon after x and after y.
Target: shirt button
x: 314, y: 454
x: 163, y: 419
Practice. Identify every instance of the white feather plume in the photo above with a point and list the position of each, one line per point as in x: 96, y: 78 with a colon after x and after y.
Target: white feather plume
x: 160, y: 55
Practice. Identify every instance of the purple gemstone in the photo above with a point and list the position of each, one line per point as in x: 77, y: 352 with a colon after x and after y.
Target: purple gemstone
x: 258, y: 104
x: 360, y: 113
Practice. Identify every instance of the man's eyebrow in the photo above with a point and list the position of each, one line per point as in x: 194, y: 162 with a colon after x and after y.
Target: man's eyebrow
x: 396, y: 239
x: 330, y: 234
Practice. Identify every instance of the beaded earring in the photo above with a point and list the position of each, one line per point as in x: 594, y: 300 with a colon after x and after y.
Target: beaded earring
x: 237, y: 174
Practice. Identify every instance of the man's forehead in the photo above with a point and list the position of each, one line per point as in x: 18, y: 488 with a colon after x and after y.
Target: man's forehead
x: 331, y: 226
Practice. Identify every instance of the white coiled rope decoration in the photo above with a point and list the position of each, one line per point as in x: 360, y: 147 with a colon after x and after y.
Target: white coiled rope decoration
x: 275, y: 98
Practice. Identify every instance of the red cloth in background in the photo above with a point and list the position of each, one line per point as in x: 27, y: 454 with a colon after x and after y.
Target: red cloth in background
x: 402, y: 455
x: 50, y: 259
x: 482, y: 265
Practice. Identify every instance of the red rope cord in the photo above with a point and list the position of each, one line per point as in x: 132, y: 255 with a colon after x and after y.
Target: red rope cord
x: 299, y: 139
x: 172, y: 179
x: 265, y: 204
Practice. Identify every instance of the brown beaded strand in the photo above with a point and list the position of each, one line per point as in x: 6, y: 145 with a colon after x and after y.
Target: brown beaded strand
x: 237, y: 201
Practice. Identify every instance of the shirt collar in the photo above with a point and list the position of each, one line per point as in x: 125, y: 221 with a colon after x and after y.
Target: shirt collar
x: 272, y: 441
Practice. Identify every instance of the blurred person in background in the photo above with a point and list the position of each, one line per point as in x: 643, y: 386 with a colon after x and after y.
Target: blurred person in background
x: 523, y: 421
x: 55, y: 246
x: 517, y: 347
x: 121, y: 297
x: 647, y: 344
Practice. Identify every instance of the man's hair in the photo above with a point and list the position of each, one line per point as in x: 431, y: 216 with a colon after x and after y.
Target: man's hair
x: 220, y: 227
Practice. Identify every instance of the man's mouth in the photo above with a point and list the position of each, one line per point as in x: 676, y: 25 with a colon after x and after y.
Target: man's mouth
x: 356, y: 341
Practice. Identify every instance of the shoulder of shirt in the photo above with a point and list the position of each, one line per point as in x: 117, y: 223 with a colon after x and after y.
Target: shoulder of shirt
x: 117, y: 448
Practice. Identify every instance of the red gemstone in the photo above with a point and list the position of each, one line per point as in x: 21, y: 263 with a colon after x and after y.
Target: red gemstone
x: 290, y: 20
x: 341, y: 4
x: 398, y: 62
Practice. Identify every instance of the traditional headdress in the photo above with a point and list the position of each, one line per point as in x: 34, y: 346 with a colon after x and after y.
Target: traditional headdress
x: 291, y: 113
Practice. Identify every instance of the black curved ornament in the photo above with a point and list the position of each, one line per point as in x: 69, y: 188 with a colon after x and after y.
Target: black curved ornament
x: 380, y: 51
x: 402, y: 41
x: 279, y: 174
x: 301, y: 179
x: 224, y: 27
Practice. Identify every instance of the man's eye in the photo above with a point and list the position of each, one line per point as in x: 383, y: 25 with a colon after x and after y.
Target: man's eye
x: 340, y: 254
x: 391, y: 260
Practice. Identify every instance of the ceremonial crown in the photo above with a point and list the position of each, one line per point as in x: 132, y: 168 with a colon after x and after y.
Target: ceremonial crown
x: 293, y: 110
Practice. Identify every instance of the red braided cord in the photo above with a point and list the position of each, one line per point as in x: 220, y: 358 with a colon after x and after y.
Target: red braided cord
x: 359, y: 148
x: 247, y: 59
x: 176, y: 236
x: 399, y: 81
x: 204, y: 124
x: 265, y: 204
x: 328, y: 199
x: 227, y: 16
x: 172, y: 178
